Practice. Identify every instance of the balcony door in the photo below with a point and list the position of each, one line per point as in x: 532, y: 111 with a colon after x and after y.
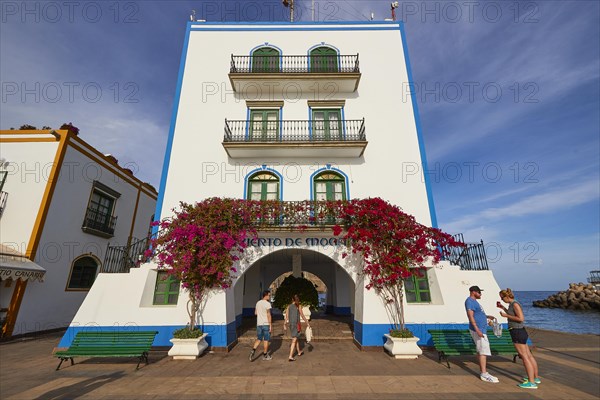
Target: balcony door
x: 265, y: 59
x: 324, y: 59
x: 264, y: 125
x: 327, y: 124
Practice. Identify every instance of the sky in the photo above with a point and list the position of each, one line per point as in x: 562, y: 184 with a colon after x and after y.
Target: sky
x: 508, y: 95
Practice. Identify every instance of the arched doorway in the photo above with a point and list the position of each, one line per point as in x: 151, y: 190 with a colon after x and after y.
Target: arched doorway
x: 333, y: 321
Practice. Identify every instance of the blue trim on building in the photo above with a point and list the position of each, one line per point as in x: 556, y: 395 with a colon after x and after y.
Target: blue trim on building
x: 329, y: 168
x: 167, y: 159
x: 263, y: 168
x: 342, y: 310
x: 413, y: 98
x: 248, y: 312
x: 372, y: 334
x: 331, y: 309
x: 294, y: 29
x: 300, y: 23
x: 218, y: 335
x: 247, y: 134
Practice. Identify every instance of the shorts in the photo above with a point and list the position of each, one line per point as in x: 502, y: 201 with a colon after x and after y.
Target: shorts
x: 262, y: 333
x: 481, y: 343
x: 519, y: 335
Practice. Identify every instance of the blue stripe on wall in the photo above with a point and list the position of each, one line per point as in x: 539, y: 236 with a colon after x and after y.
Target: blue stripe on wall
x: 218, y: 335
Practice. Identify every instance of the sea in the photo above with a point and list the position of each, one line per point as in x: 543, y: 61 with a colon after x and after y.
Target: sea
x: 554, y: 319
x: 557, y: 319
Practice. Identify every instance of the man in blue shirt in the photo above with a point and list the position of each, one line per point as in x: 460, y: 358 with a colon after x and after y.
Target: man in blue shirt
x: 478, y: 322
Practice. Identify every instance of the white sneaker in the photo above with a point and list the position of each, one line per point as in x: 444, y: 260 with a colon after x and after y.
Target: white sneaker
x: 488, y: 378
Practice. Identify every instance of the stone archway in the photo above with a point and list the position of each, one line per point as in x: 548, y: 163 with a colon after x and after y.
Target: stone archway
x: 334, y: 322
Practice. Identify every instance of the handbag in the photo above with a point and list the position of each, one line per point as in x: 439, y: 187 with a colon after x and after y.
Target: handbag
x: 308, y: 334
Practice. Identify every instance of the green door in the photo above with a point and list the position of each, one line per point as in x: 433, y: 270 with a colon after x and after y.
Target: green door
x: 327, y: 125
x: 265, y: 59
x: 323, y: 59
x: 264, y: 125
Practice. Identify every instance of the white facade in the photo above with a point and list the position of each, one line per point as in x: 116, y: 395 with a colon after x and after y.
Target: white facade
x: 50, y: 181
x: 202, y: 161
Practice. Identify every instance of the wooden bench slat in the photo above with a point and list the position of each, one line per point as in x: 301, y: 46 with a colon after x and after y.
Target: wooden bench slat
x: 453, y: 342
x: 109, y: 344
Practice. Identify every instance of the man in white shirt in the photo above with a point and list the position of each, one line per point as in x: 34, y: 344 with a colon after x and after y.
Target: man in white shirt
x: 263, y: 326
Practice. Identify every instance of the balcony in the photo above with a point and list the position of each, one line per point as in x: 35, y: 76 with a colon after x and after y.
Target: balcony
x: 310, y: 74
x: 99, y: 223
x: 295, y: 138
x: 291, y: 215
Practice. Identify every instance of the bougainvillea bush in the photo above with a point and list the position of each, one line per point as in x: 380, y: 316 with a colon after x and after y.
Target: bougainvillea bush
x: 394, y: 247
x: 201, y: 243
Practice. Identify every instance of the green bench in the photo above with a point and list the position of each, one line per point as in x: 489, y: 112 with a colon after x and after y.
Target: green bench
x: 109, y: 344
x: 454, y: 342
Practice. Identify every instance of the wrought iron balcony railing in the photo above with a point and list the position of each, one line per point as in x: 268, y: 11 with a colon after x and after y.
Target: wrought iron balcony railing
x: 120, y: 259
x: 295, y: 131
x: 471, y: 257
x: 99, y: 222
x: 294, y: 64
x: 297, y: 214
x: 3, y: 198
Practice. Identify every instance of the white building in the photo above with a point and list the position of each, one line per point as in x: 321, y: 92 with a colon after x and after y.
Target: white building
x: 63, y: 202
x: 292, y: 112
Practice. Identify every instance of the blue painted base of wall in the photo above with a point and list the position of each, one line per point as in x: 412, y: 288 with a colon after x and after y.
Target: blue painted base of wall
x: 248, y: 312
x: 329, y: 309
x: 218, y: 335
x: 372, y: 334
x: 225, y: 335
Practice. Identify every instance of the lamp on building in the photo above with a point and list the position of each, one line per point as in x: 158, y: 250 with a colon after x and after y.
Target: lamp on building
x: 394, y: 5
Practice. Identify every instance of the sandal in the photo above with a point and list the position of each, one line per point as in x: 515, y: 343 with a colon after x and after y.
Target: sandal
x: 291, y: 359
x: 301, y: 353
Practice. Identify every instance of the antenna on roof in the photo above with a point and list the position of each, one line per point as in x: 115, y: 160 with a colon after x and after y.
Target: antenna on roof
x: 193, y: 16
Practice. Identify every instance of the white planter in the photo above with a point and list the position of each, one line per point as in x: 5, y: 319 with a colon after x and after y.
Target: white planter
x: 188, y: 349
x: 402, y: 348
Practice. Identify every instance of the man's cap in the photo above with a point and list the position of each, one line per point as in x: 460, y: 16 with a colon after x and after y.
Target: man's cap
x: 475, y: 289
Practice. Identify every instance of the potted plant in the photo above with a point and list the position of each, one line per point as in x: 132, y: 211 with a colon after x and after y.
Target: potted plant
x: 395, y: 247
x: 199, y: 246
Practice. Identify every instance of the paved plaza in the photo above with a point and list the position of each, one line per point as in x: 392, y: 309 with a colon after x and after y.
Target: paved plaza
x: 331, y: 369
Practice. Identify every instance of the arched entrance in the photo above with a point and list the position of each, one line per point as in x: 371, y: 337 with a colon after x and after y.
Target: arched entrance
x: 335, y: 319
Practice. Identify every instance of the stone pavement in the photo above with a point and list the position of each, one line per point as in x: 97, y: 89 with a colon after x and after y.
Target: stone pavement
x: 333, y: 369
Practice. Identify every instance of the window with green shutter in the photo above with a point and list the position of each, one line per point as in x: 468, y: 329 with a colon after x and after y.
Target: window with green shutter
x: 326, y: 124
x: 263, y: 186
x: 323, y: 59
x: 329, y: 186
x: 265, y: 59
x: 166, y: 290
x: 264, y: 125
x: 417, y: 289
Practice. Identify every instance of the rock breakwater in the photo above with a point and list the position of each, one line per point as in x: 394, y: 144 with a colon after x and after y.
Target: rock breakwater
x: 579, y: 296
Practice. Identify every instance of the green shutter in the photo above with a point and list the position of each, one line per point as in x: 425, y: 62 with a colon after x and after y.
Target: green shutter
x: 264, y: 125
x: 324, y: 59
x: 265, y: 59
x: 166, y: 290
